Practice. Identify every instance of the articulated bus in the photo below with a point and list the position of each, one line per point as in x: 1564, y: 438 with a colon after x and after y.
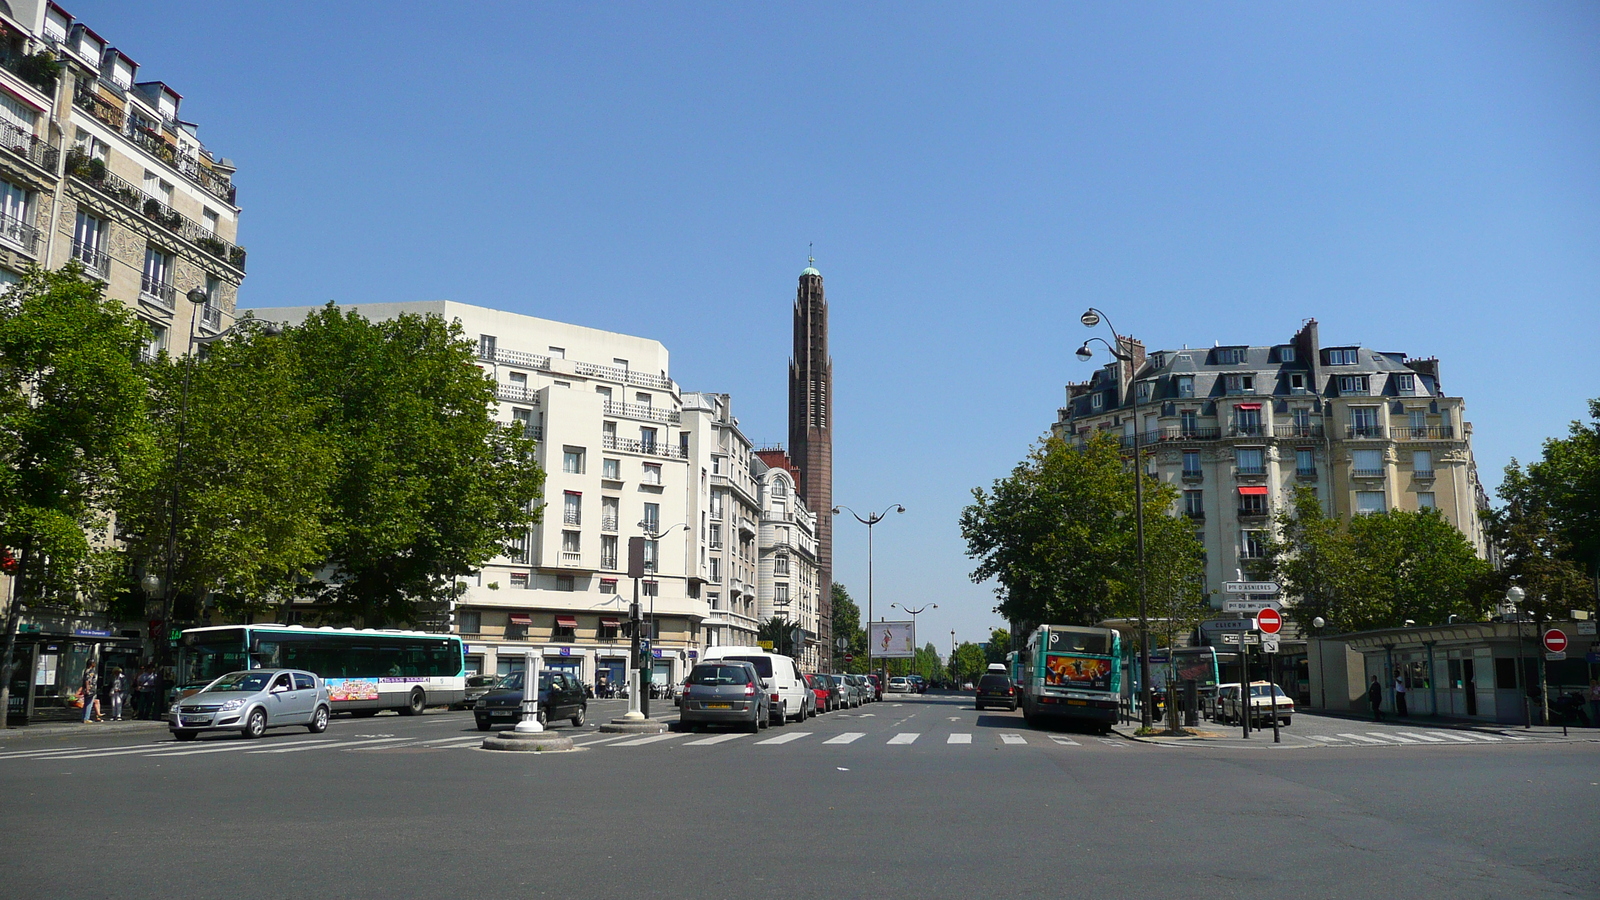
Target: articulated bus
x: 367, y: 670
x: 1071, y: 673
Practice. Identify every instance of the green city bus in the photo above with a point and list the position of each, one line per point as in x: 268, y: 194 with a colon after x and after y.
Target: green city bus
x: 1072, y: 674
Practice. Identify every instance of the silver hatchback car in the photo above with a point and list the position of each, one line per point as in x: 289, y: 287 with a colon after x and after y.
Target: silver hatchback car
x: 251, y: 702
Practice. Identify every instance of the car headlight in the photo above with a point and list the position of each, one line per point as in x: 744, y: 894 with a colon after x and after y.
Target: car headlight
x: 231, y: 705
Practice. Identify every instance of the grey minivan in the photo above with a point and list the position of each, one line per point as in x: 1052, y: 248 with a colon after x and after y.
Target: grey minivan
x: 251, y: 702
x: 724, y: 692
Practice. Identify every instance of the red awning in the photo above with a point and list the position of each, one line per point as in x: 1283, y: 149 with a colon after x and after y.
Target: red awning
x: 521, y: 619
x: 572, y: 621
x: 610, y: 623
x: 1251, y: 491
x: 1247, y: 406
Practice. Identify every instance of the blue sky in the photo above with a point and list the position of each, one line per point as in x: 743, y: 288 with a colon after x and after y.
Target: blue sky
x: 1417, y: 177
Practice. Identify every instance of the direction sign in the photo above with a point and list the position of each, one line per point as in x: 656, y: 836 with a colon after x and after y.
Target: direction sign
x: 1554, y: 657
x: 1555, y: 640
x: 1269, y: 643
x: 1269, y: 621
x: 1248, y: 606
x: 1226, y: 624
x: 1249, y: 587
x: 1250, y: 637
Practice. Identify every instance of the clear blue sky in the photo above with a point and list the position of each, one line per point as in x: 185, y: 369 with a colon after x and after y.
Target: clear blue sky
x: 1418, y: 177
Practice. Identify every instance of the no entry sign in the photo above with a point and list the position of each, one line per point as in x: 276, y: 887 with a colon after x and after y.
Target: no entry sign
x: 1270, y: 620
x: 1555, y: 640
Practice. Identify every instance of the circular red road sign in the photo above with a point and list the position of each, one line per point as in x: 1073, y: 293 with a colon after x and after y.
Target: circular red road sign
x: 1555, y: 640
x: 1269, y: 621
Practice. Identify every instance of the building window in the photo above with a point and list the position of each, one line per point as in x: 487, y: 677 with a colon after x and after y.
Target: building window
x: 469, y: 621
x: 519, y: 579
x: 1191, y: 463
x: 647, y: 440
x: 1189, y: 423
x: 157, y: 281
x: 1240, y: 384
x: 89, y: 243
x: 1249, y: 460
x: 1297, y: 383
x: 565, y: 583
x: 651, y: 589
x: 517, y: 548
x: 572, y: 508
x: 1231, y: 356
x: 1367, y: 463
x: 570, y: 546
x: 1145, y: 388
x: 1425, y: 500
x: 780, y: 488
x: 611, y: 469
x: 1342, y: 357
x: 566, y: 626
x: 517, y: 630
x: 652, y: 555
x: 1097, y: 401
x: 608, y: 551
x: 608, y: 586
x: 486, y: 346
x: 652, y: 517
x: 1305, y: 462
x: 1253, y: 504
x: 1405, y: 384
x: 1251, y: 543
x: 1364, y: 422
x: 1194, y: 505
x: 1301, y: 418
x: 14, y: 218
x: 572, y: 460
x: 780, y: 564
x: 780, y: 594
x: 652, y: 473
x: 1185, y: 385
x: 522, y: 421
x: 1247, y: 419
x: 1353, y: 385
x: 1286, y: 354
x: 1369, y: 501
x: 1422, y: 463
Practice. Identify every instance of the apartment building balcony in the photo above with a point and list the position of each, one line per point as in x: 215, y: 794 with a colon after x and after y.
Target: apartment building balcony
x: 38, y: 69
x: 94, y: 173
x: 1366, y: 473
x: 626, y: 376
x: 109, y: 113
x: 1363, y: 431
x: 158, y: 292
x: 1251, y: 471
x: 1254, y: 512
x: 95, y: 262
x: 714, y: 545
x: 1192, y: 476
x: 211, y: 317
x: 747, y: 526
x: 1306, y: 474
x: 515, y: 358
x: 29, y: 146
x: 148, y: 135
x: 1425, y: 432
x: 629, y: 445
x: 642, y: 412
x: 1255, y: 431
x: 1199, y: 433
x: 516, y: 393
x: 608, y: 562
x: 608, y: 523
x: 20, y: 234
x: 571, y: 517
x: 1422, y: 474
x: 1310, y: 430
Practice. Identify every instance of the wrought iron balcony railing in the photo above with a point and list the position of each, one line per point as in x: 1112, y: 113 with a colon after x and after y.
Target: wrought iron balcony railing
x: 29, y: 146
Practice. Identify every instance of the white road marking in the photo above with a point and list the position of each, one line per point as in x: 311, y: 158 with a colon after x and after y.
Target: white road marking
x: 603, y: 740
x: 785, y: 738
x: 714, y: 739
x: 363, y: 743
x: 1064, y: 741
x: 124, y: 751
x: 654, y: 738
x: 241, y: 746
x: 1390, y: 735
x: 959, y: 739
x: 1361, y: 738
x: 1013, y: 739
x: 1453, y: 737
x: 1325, y: 739
x: 1112, y: 743
x: 905, y: 737
x: 459, y: 737
x: 846, y: 738
x: 1420, y: 737
x: 1485, y: 737
x: 23, y: 754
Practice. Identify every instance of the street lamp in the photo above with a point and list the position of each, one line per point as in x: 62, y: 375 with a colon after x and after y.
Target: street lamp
x: 647, y: 674
x: 1512, y: 607
x: 870, y: 520
x: 914, y: 613
x: 1090, y: 318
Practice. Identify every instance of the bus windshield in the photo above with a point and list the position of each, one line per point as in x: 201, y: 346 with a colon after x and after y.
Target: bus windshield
x: 207, y: 656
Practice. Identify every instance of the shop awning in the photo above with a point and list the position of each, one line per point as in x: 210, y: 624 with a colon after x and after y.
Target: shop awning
x: 567, y: 621
x: 610, y: 623
x: 1253, y: 490
x: 521, y: 619
x: 1247, y: 406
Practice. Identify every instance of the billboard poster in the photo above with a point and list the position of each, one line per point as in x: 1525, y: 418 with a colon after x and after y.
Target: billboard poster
x: 892, y: 640
x: 352, y: 689
x: 1077, y: 671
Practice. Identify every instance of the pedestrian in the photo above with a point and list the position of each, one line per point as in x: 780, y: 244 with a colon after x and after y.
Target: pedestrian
x: 1375, y: 697
x: 1400, y: 693
x: 144, y: 690
x: 117, y: 690
x: 91, y: 693
x: 1594, y: 701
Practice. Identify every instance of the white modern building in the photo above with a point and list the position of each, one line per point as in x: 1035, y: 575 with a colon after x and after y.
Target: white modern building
x: 788, y: 572
x: 725, y: 510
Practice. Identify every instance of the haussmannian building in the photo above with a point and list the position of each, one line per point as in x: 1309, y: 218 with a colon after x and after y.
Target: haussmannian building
x: 789, y: 575
x: 724, y: 509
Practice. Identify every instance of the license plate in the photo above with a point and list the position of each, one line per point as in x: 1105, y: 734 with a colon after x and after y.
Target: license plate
x: 196, y: 720
x: 719, y: 706
x: 1077, y: 703
x: 503, y: 712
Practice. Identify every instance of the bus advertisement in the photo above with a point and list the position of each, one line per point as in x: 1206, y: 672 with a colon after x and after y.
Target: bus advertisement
x: 1071, y: 673
x: 367, y: 670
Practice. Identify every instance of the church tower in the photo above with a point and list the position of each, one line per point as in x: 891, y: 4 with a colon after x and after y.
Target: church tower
x: 811, y: 434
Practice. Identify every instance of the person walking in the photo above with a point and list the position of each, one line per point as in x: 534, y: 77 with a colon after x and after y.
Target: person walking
x: 1375, y: 697
x: 1400, y: 693
x: 117, y: 690
x: 144, y: 693
x: 91, y: 693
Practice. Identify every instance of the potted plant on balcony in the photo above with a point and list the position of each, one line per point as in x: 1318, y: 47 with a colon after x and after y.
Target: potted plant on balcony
x: 40, y: 70
x: 236, y: 256
x: 213, y: 246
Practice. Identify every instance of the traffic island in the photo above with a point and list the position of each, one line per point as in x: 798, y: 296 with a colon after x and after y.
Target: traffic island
x: 532, y: 742
x: 634, y: 726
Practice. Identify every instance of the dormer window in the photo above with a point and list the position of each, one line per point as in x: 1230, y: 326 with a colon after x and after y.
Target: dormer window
x: 1097, y: 401
x: 1342, y: 357
x: 1240, y: 384
x: 1231, y: 356
x: 1297, y: 383
x: 1286, y: 354
x: 1185, y: 385
x: 1405, y: 384
x: 1145, y: 390
x: 1353, y: 384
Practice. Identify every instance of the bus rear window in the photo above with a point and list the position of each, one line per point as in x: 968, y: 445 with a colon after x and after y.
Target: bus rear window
x: 1078, y: 642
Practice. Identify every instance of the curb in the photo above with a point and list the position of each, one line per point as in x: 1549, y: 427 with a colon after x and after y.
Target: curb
x: 23, y: 731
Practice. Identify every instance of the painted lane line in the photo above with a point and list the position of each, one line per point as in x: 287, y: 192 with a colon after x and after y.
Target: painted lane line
x: 1065, y: 741
x: 846, y: 738
x: 1117, y: 745
x: 1420, y: 737
x: 1013, y: 739
x: 1362, y: 738
x: 24, y: 754
x: 715, y: 739
x: 1453, y: 737
x: 654, y: 738
x: 1326, y: 739
x: 959, y: 739
x: 232, y: 747
x: 148, y: 749
x: 905, y: 737
x: 459, y: 737
x: 785, y: 738
x: 601, y: 740
x: 350, y: 744
x: 1393, y: 736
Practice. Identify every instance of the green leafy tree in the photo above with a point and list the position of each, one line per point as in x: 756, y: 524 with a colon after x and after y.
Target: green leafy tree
x: 429, y: 486
x: 969, y: 662
x: 1558, y: 496
x: 998, y: 645
x: 780, y: 631
x: 847, y: 624
x: 1314, y: 560
x: 1535, y: 555
x: 74, y: 434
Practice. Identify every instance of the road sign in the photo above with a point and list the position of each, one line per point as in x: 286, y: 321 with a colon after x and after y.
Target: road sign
x: 1249, y: 587
x: 849, y: 658
x: 1586, y: 628
x: 1554, y: 657
x: 1555, y: 640
x: 1250, y: 637
x: 1248, y: 606
x: 1269, y: 621
x: 1226, y: 625
x: 1269, y: 643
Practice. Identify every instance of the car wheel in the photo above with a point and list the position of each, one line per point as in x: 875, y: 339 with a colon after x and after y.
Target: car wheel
x: 754, y: 726
x: 484, y: 724
x: 539, y: 716
x: 319, y: 721
x: 185, y: 735
x: 256, y: 725
x: 1286, y: 723
x: 414, y: 704
x: 781, y: 717
x: 577, y: 718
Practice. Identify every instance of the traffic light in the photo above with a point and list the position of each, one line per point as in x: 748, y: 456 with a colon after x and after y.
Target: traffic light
x: 450, y: 617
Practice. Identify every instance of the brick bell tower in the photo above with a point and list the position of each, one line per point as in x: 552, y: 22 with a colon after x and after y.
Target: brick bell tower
x: 811, y: 434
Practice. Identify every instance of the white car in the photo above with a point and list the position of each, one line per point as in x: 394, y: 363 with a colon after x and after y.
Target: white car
x: 898, y: 685
x: 789, y: 695
x: 1262, y: 704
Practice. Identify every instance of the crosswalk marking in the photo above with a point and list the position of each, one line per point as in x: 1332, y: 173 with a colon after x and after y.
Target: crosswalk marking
x: 638, y: 742
x: 1487, y: 737
x: 714, y: 739
x: 1453, y: 737
x: 1324, y: 738
x: 905, y: 737
x: 361, y: 743
x: 846, y: 738
x: 1392, y: 736
x: 1118, y: 745
x: 23, y: 754
x: 232, y: 747
x: 1420, y: 737
x: 785, y: 738
x: 1013, y: 739
x: 1064, y: 741
x: 600, y: 740
x: 156, y: 748
x: 959, y: 739
x: 1362, y: 738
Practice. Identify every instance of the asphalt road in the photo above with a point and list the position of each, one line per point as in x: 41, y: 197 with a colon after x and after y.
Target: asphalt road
x: 913, y: 797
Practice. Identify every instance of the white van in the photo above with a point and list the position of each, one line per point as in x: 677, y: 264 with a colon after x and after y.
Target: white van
x: 790, y: 697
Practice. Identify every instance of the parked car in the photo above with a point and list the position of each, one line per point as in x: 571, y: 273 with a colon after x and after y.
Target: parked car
x: 919, y: 685
x: 822, y: 690
x: 1213, y: 707
x: 1261, y: 704
x: 875, y: 686
x: 477, y: 686
x: 725, y: 692
x: 864, y: 687
x: 787, y: 696
x: 561, y: 696
x: 251, y: 702
x: 996, y: 689
x: 898, y: 685
x: 849, y: 697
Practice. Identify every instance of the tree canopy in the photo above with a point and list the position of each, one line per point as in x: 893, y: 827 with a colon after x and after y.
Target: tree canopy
x: 1548, y: 529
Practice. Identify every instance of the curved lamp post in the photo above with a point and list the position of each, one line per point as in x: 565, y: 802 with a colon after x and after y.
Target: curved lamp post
x: 913, y: 613
x: 647, y: 674
x: 1090, y: 319
x: 869, y: 520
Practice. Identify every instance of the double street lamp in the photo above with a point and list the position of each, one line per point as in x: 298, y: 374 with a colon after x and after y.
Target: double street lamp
x: 870, y: 520
x: 913, y: 613
x: 1090, y: 319
x: 647, y: 672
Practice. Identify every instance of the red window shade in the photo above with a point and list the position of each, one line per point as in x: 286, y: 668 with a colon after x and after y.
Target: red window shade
x: 1247, y: 406
x: 521, y: 619
x: 572, y: 621
x: 1253, y: 491
x: 610, y: 623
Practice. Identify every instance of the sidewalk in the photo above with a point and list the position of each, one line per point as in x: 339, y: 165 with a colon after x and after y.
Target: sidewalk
x: 1212, y: 731
x: 1461, y: 724
x: 18, y: 732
